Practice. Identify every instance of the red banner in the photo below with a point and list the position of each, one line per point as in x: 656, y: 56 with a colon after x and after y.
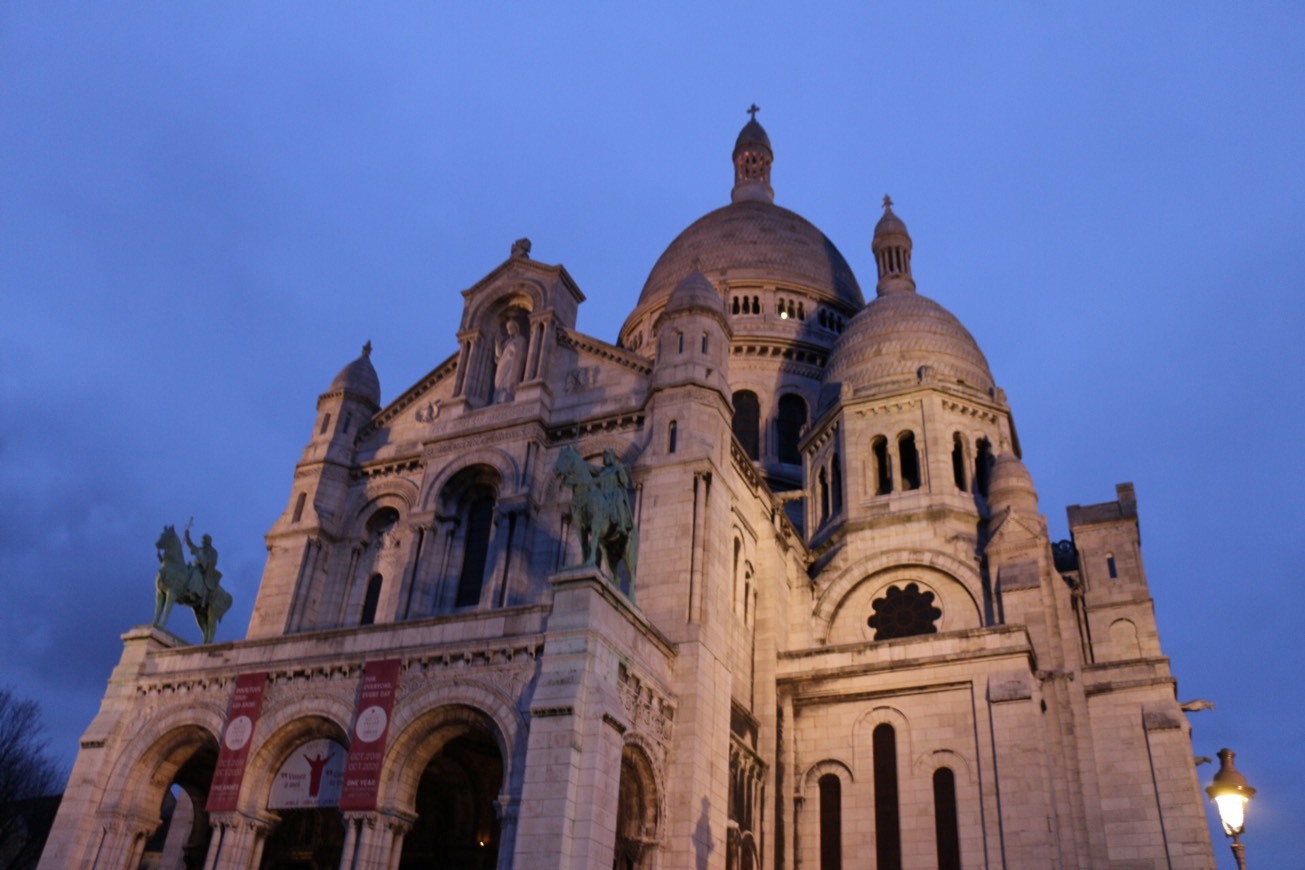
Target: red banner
x: 233, y: 753
x: 371, y: 727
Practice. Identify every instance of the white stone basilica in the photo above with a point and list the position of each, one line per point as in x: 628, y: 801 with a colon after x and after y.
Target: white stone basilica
x: 850, y: 640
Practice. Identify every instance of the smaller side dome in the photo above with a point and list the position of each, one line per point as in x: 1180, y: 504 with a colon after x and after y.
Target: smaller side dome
x: 1011, y: 486
x: 695, y: 291
x: 899, y: 336
x: 359, y: 377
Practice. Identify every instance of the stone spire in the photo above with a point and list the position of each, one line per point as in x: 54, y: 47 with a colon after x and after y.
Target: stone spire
x: 892, y: 250
x: 752, y: 159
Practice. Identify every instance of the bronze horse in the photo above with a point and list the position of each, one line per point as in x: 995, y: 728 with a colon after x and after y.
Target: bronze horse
x: 178, y: 582
x: 600, y: 512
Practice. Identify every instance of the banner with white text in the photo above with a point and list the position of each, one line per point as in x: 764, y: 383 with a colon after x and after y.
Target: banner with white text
x: 371, y: 727
x: 233, y: 753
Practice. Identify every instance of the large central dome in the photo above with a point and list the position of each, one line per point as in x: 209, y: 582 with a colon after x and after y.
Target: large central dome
x: 754, y: 239
x: 781, y: 265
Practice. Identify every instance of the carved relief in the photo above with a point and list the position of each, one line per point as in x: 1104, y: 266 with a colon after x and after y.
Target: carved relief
x: 650, y: 713
x: 582, y: 378
x: 429, y: 412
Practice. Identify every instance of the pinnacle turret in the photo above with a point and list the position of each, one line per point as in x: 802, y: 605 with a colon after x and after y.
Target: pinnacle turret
x: 752, y: 159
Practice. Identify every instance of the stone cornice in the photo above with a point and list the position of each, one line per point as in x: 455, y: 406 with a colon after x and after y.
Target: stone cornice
x: 391, y: 411
x: 628, y: 421
x: 574, y: 340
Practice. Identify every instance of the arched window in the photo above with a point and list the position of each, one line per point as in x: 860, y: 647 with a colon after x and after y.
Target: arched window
x: 836, y: 484
x: 747, y: 422
x: 823, y: 486
x: 671, y: 432
x: 704, y: 342
x: 738, y: 548
x: 479, y: 523
x: 958, y: 460
x: 370, y: 600
x: 982, y: 467
x: 831, y: 822
x: 946, y: 826
x: 299, y: 507
x: 792, y: 417
x: 888, y: 830
x: 883, y: 471
x: 910, y: 460
x: 326, y: 424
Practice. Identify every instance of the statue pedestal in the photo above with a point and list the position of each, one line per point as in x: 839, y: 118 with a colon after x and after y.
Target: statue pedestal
x: 594, y: 640
x: 154, y: 637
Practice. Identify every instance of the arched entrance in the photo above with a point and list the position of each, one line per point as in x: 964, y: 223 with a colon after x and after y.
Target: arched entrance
x: 457, y: 820
x: 182, y: 838
x: 172, y: 778
x: 636, y: 811
x: 305, y: 794
x: 305, y: 839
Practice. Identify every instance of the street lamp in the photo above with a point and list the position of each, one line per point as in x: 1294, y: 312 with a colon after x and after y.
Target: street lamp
x: 1230, y: 793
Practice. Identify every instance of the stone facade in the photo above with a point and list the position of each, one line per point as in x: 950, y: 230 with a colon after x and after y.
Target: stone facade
x: 850, y: 638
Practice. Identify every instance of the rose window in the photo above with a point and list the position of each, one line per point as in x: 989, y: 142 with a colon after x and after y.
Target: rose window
x: 904, y: 612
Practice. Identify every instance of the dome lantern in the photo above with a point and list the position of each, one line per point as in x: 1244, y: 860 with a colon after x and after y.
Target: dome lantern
x: 892, y: 250
x: 752, y: 159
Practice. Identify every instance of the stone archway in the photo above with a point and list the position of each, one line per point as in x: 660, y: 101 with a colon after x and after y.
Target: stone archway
x: 305, y: 796
x: 181, y: 840
x: 637, y: 813
x: 457, y: 823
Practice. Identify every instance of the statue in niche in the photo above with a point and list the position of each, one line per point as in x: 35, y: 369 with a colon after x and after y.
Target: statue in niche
x: 600, y: 512
x: 509, y: 359
x: 195, y: 585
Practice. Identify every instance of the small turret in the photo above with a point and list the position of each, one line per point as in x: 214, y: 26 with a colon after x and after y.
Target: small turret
x: 892, y: 250
x: 693, y: 336
x: 1010, y: 486
x: 350, y: 401
x: 752, y: 159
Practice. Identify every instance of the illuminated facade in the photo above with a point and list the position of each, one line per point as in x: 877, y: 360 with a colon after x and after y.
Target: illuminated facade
x: 850, y: 638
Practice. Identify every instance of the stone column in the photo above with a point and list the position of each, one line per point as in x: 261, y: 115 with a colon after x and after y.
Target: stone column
x: 237, y: 840
x: 507, y: 807
x: 123, y: 841
x: 351, y: 821
x: 396, y: 825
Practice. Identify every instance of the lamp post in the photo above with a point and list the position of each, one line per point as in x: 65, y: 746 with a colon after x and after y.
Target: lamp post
x: 1231, y: 793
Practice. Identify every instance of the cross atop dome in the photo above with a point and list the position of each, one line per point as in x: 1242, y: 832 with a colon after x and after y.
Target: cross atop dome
x: 753, y: 110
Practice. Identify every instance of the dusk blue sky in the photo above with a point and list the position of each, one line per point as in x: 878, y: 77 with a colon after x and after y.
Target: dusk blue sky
x: 206, y: 209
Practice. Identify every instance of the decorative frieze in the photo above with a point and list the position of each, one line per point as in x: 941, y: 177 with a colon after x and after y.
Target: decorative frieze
x: 967, y: 410
x: 650, y: 712
x: 895, y: 407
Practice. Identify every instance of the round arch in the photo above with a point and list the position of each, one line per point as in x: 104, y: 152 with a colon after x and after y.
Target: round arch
x: 492, y: 458
x: 149, y: 762
x: 835, y: 595
x: 523, y: 293
x: 426, y: 720
x: 286, y: 723
x: 639, y: 809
